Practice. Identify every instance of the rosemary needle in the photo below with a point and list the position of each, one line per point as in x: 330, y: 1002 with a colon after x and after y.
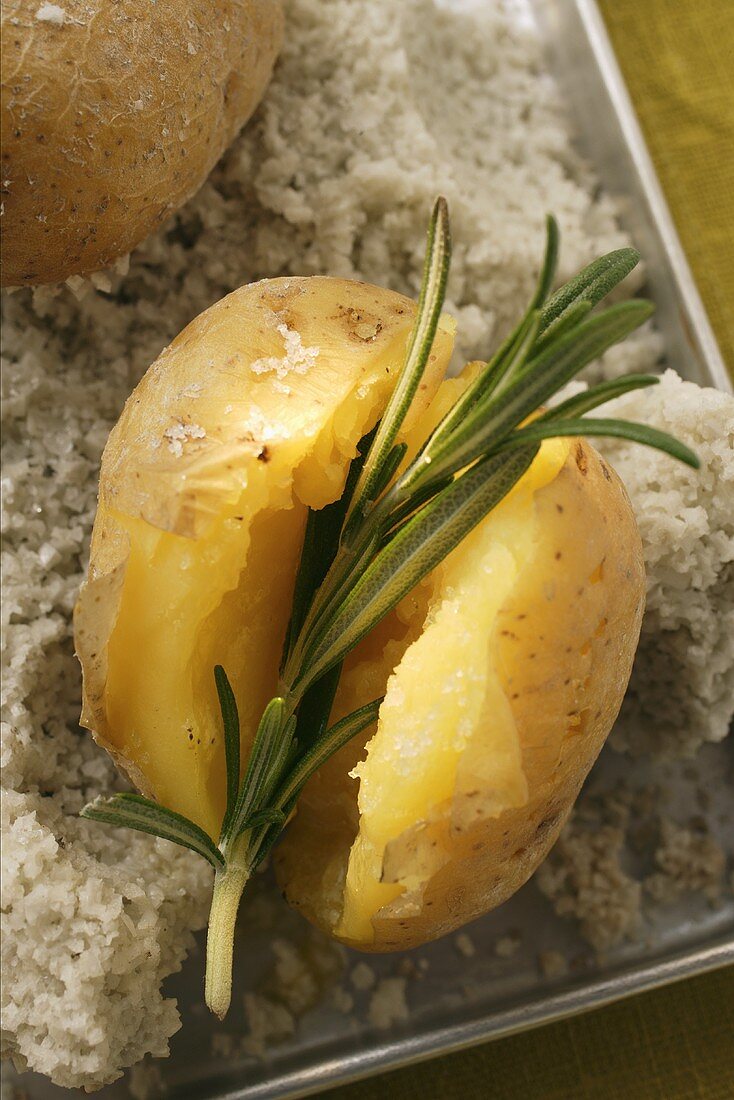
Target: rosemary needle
x: 390, y: 528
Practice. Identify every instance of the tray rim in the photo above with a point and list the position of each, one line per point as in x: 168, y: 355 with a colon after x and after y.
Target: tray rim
x: 432, y: 1042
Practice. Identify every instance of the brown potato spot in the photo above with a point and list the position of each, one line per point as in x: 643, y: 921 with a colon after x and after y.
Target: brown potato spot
x: 581, y: 460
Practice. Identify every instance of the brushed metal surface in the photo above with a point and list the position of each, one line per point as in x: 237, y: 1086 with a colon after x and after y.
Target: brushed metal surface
x: 457, y: 1001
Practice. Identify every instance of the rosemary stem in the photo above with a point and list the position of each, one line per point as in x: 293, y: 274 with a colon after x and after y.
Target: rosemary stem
x: 228, y: 887
x: 348, y: 559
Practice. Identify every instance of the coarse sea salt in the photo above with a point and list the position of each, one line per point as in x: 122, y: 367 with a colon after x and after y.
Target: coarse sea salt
x: 297, y: 359
x: 179, y: 434
x: 51, y: 13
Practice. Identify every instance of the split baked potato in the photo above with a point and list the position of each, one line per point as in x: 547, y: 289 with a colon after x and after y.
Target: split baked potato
x: 502, y: 671
x: 113, y: 114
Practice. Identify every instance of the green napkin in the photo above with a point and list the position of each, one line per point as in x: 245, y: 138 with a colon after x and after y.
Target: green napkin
x: 675, y: 1043
x: 677, y: 57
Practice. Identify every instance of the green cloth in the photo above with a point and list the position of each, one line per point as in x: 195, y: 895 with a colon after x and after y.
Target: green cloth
x: 677, y: 57
x: 675, y: 1043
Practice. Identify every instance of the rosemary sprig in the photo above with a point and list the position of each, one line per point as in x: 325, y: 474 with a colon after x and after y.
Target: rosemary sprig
x: 136, y: 812
x: 383, y: 458
x: 390, y: 528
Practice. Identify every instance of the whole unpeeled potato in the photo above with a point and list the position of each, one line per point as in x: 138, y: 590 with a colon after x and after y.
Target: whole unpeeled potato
x: 113, y: 114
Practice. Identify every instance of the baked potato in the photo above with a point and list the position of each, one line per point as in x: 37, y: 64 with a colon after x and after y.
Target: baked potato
x: 502, y: 671
x: 113, y: 115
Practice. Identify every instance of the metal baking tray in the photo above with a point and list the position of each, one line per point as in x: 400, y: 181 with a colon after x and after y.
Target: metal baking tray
x: 456, y: 1001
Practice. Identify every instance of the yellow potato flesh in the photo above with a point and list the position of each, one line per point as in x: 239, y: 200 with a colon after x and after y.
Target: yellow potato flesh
x: 445, y: 725
x: 203, y: 495
x: 185, y: 608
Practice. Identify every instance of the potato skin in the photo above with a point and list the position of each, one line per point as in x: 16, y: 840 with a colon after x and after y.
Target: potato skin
x: 564, y: 644
x: 112, y: 119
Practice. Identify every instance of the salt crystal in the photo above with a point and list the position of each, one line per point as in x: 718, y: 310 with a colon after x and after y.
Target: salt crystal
x: 46, y: 554
x: 51, y: 13
x: 362, y: 977
x: 465, y: 945
x: 297, y: 358
x: 178, y: 434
